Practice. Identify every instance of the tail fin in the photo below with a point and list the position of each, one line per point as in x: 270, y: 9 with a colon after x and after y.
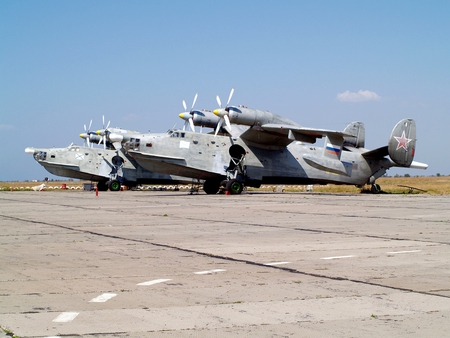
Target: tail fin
x: 402, y: 143
x: 358, y: 130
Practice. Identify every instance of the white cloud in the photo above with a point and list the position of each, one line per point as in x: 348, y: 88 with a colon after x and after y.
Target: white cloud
x: 361, y: 95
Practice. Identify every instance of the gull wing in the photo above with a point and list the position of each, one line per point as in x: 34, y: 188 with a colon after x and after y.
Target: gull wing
x: 284, y: 134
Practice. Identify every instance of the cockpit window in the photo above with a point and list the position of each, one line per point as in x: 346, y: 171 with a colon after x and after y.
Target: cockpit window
x: 41, y: 156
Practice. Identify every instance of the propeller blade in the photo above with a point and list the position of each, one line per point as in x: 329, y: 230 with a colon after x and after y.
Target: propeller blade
x: 195, y: 99
x: 227, y: 122
x: 191, y: 123
x: 219, y: 125
x: 231, y: 95
x: 184, y: 106
x: 218, y: 101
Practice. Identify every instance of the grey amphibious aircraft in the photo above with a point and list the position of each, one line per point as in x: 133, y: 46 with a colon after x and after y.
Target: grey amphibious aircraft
x: 111, y: 169
x: 274, y: 150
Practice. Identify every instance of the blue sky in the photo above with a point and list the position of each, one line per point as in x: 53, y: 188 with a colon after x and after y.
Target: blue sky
x: 322, y: 64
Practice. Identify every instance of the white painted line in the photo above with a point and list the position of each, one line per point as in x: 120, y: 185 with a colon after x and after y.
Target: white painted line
x: 156, y: 281
x: 337, y: 257
x: 66, y: 317
x: 399, y: 252
x: 277, y: 263
x: 103, y: 298
x: 209, y: 271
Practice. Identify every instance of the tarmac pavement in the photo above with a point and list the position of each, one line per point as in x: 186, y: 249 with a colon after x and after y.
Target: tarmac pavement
x: 169, y: 264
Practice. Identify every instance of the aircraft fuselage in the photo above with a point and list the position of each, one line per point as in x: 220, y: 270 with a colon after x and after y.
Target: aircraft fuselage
x: 205, y: 156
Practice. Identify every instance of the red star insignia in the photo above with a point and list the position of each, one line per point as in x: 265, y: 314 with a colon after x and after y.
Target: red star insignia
x: 402, y: 141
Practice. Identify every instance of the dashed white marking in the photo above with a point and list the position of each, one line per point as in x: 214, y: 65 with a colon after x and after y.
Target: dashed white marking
x: 209, y: 271
x: 66, y: 317
x: 103, y: 298
x: 277, y: 263
x: 399, y: 252
x: 338, y: 257
x: 156, y: 281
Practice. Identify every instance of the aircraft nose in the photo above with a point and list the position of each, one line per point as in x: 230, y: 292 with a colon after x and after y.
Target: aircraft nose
x: 29, y: 150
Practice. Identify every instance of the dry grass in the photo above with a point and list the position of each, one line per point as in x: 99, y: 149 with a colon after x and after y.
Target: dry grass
x: 432, y: 185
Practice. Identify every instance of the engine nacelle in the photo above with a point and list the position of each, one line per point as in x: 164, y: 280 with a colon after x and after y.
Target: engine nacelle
x: 205, y: 119
x: 255, y: 117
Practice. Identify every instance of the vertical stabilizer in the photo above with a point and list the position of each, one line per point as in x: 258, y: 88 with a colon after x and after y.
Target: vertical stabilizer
x: 358, y: 131
x: 402, y: 144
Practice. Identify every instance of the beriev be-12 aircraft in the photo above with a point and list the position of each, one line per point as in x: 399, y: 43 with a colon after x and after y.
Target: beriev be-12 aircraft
x: 111, y: 169
x: 109, y: 166
x: 274, y: 150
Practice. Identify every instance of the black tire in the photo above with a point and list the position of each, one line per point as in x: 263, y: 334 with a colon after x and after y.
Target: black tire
x: 211, y: 187
x: 375, y: 188
x: 102, y: 186
x: 114, y: 185
x: 235, y: 187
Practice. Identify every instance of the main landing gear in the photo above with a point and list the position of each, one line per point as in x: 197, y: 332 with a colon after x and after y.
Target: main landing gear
x: 234, y: 184
x: 115, y: 176
x: 112, y: 185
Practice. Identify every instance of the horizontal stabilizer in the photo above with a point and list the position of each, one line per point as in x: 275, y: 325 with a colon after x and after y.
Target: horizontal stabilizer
x: 418, y: 165
x: 376, y: 153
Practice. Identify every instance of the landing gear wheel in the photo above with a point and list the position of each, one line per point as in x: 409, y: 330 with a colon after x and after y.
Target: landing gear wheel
x: 375, y: 188
x: 235, y: 187
x: 211, y: 187
x: 114, y: 185
x: 102, y: 186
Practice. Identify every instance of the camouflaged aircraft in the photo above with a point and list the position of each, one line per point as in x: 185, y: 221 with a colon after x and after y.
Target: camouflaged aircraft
x: 271, y: 149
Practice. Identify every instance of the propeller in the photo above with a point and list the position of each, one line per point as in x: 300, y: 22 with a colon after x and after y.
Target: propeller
x: 187, y: 116
x: 223, y: 113
x: 104, y: 131
x: 86, y: 134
